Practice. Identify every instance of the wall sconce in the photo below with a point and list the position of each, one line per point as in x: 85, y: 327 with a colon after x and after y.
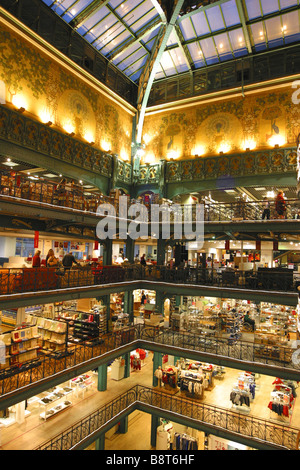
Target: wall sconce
x: 92, y: 143
x: 221, y: 152
x: 21, y: 110
x: 71, y: 134
x: 49, y: 123
x: 276, y: 146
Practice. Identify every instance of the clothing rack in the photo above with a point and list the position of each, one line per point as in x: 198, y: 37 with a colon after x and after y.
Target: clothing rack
x: 240, y: 397
x: 282, y: 400
x: 184, y: 442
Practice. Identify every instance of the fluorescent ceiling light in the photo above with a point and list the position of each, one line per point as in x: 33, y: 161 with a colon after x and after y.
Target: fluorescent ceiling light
x: 50, y: 175
x: 10, y: 164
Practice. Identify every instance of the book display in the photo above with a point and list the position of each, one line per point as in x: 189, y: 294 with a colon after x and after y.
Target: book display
x: 53, y: 334
x: 21, y: 346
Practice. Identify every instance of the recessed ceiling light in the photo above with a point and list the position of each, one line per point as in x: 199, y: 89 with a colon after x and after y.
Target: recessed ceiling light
x: 50, y: 175
x: 10, y: 164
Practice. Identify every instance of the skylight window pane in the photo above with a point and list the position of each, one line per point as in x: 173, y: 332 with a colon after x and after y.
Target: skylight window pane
x: 274, y: 32
x: 160, y: 73
x: 131, y: 58
x: 231, y: 14
x: 215, y: 18
x: 291, y: 27
x: 142, y: 22
x: 196, y: 55
x: 223, y: 47
x: 132, y: 68
x: 187, y: 29
x: 124, y: 8
x: 259, y: 37
x: 287, y: 3
x: 238, y: 42
x: 209, y: 51
x: 75, y: 9
x: 200, y: 24
x: 269, y: 6
x: 172, y: 39
x: 179, y: 60
x: 167, y: 64
x: 253, y: 9
x: 93, y: 21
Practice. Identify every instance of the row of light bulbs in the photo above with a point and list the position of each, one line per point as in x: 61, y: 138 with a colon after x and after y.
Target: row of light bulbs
x: 20, y: 102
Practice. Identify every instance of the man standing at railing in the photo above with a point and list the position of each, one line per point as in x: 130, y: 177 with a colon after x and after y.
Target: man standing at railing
x: 68, y: 261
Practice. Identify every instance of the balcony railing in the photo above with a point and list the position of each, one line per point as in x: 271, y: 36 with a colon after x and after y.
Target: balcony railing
x: 16, y: 186
x: 26, y: 280
x: 21, y: 375
x: 262, y: 432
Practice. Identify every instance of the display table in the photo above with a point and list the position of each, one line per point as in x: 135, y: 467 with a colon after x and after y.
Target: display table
x: 81, y: 384
x: 55, y: 402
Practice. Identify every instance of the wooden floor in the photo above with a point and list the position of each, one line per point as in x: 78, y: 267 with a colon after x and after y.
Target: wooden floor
x: 34, y: 431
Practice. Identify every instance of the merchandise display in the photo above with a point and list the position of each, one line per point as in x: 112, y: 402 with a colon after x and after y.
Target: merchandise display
x: 264, y: 323
x: 137, y: 359
x: 55, y: 402
x: 118, y: 369
x: 282, y: 398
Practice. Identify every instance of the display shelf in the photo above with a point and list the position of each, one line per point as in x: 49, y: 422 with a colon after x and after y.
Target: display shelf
x: 59, y: 398
x: 53, y: 334
x: 81, y: 383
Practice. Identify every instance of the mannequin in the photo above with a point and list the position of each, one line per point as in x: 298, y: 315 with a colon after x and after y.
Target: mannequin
x: 158, y: 375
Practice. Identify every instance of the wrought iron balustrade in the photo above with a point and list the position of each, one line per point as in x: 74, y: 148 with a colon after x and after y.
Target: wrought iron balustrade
x: 261, y: 431
x: 16, y: 186
x: 218, y: 346
x: 21, y: 375
x: 32, y: 280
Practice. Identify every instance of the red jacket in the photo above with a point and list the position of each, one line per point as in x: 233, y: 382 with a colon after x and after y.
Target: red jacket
x: 36, y: 261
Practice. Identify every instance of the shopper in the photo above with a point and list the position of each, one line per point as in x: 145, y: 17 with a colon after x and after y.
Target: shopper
x: 143, y: 298
x: 52, y: 261
x: 266, y: 211
x: 280, y: 205
x: 49, y: 255
x: 36, y: 260
x: 143, y: 260
x: 68, y: 261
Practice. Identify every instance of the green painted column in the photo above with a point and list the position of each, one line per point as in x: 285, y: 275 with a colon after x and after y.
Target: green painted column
x: 102, y: 378
x: 159, y: 302
x: 154, y: 426
x: 123, y: 428
x: 126, y: 357
x: 161, y: 252
x: 128, y: 305
x: 130, y: 250
x: 177, y: 300
x: 107, y: 252
x: 157, y: 361
x: 100, y: 442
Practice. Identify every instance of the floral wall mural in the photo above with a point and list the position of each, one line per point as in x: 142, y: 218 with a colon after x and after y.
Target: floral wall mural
x: 257, y: 121
x: 51, y: 92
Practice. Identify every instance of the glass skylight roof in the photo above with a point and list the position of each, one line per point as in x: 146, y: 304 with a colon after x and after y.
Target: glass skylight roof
x: 125, y: 31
